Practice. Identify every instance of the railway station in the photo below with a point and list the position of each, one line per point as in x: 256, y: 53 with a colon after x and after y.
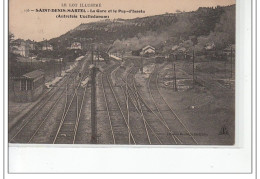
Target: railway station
x: 130, y: 82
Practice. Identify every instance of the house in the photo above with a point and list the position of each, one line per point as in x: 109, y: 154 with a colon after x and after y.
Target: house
x: 148, y: 50
x: 47, y: 46
x: 179, y: 53
x: 179, y: 49
x: 29, y: 86
x: 31, y: 44
x: 175, y: 47
x: 20, y: 47
x: 75, y: 45
x: 210, y: 46
x: 182, y: 50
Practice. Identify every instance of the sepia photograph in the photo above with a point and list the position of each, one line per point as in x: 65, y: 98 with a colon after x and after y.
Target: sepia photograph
x: 122, y: 73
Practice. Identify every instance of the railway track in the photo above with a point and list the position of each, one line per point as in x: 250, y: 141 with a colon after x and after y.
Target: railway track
x: 178, y: 130
x: 135, y: 119
x: 141, y: 127
x: 120, y: 129
x: 136, y: 101
x: 68, y: 126
x: 131, y: 118
x: 148, y: 126
x: 154, y: 129
x: 159, y: 119
x: 29, y: 129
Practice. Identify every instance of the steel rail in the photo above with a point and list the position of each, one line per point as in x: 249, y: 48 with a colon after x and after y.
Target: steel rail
x: 78, y: 116
x: 39, y: 109
x: 45, y: 117
x: 157, y: 107
x: 128, y: 113
x: 173, y: 111
x: 147, y: 106
x: 120, y: 109
x: 108, y: 112
x: 137, y: 100
x: 142, y: 114
x: 65, y: 114
x: 157, y: 137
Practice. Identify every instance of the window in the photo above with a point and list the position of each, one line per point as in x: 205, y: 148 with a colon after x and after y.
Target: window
x: 23, y: 85
x: 29, y: 84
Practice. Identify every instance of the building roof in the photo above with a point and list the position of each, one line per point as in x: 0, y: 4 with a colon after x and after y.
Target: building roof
x: 175, y: 47
x: 182, y: 49
x: 210, y: 46
x: 34, y: 74
x: 147, y: 47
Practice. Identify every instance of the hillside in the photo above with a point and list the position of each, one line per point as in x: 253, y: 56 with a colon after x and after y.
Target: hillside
x: 201, y: 26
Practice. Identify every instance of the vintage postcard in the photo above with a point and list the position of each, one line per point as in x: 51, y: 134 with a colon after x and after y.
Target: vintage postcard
x: 122, y: 72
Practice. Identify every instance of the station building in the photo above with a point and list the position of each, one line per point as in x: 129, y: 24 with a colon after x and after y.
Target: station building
x: 29, y: 86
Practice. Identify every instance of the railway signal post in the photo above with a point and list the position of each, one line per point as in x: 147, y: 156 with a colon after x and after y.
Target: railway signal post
x: 93, y: 71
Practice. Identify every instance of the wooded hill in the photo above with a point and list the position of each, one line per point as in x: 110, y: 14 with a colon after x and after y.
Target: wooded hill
x: 198, y: 28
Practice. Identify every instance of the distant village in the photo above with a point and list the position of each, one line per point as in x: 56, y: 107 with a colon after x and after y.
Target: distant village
x: 27, y: 50
x: 25, y: 47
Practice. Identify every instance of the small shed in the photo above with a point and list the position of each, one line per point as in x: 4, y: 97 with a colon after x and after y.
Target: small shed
x: 29, y: 86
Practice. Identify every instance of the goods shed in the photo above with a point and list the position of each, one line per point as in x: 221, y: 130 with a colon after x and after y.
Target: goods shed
x: 29, y: 86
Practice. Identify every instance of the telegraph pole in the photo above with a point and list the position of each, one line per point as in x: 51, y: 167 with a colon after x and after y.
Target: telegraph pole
x: 193, y: 68
x: 54, y: 69
x: 98, y: 55
x: 225, y: 63
x: 173, y: 84
x: 60, y: 66
x: 142, y: 64
x: 93, y: 107
x: 175, y: 80
x: 92, y: 55
x: 231, y: 63
x: 66, y: 90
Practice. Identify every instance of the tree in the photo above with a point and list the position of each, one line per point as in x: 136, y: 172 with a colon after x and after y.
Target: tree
x: 11, y: 41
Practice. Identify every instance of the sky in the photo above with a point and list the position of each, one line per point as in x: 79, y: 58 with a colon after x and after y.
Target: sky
x: 44, y: 25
